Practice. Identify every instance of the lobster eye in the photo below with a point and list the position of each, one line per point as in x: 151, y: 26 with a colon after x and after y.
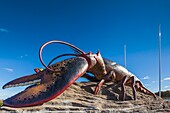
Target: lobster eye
x: 89, y: 53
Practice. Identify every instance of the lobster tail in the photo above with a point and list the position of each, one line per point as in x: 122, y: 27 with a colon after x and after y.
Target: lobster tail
x: 142, y: 89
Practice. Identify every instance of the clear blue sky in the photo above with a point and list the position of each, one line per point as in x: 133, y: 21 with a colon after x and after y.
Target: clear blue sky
x: 106, y: 25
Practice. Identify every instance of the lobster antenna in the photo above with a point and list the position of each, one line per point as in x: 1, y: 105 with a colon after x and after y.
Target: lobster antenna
x: 60, y: 42
x: 60, y: 56
x: 75, y: 51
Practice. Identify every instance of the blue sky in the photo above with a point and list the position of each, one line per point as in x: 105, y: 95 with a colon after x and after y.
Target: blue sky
x: 106, y: 25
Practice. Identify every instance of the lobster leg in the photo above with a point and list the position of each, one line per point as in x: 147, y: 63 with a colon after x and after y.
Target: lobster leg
x: 123, y: 87
x: 98, y: 87
x: 131, y: 83
x: 133, y: 87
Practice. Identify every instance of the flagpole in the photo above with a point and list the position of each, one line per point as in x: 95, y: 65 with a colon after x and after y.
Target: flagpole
x: 125, y: 56
x: 159, y: 39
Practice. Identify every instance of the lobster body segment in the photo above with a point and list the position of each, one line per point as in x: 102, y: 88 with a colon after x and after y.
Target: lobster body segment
x: 71, y: 70
x: 119, y: 74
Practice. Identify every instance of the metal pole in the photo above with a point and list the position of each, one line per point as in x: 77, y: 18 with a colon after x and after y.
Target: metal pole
x: 159, y: 39
x: 125, y: 55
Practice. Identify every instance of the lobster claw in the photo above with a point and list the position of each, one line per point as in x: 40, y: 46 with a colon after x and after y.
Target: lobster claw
x: 39, y: 94
x: 23, y: 81
x: 26, y: 80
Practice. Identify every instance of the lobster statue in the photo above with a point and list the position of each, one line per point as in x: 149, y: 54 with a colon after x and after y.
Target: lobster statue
x: 56, y: 78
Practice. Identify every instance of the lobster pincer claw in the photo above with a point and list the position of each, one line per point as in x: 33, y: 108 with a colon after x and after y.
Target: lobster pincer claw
x: 23, y: 81
x: 47, y: 90
x: 26, y: 80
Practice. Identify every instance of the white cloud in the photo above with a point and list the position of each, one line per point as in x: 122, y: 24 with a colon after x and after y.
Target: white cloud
x: 168, y: 78
x: 3, y: 30
x: 154, y: 81
x: 8, y: 69
x: 166, y: 87
x: 147, y: 84
x: 22, y: 56
x: 146, y: 77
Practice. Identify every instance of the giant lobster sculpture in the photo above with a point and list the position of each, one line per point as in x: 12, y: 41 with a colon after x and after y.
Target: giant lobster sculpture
x: 56, y: 78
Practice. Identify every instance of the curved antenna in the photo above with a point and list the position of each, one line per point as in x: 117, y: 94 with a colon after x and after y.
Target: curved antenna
x: 60, y: 42
x: 61, y: 56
